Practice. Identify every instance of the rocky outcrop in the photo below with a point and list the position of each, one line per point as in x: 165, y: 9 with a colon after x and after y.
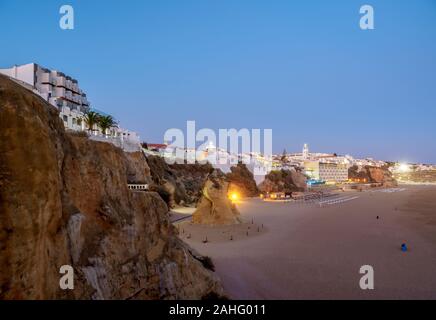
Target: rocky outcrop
x: 242, y: 181
x: 164, y: 178
x: 193, y: 177
x: 380, y: 175
x: 182, y: 182
x: 64, y: 201
x: 215, y: 207
x: 356, y: 173
x: 287, y: 181
x: 138, y: 171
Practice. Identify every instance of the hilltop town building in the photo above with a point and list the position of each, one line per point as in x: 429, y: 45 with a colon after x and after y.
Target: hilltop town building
x: 63, y: 92
x: 306, y: 151
x: 58, y: 89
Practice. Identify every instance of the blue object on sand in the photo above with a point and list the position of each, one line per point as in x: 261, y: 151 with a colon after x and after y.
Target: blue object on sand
x: 404, y: 247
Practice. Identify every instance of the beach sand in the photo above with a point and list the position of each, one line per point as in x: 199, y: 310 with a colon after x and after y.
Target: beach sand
x: 213, y: 234
x: 309, y: 252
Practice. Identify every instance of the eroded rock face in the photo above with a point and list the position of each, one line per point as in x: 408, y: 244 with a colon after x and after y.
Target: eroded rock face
x: 182, y: 182
x: 215, y: 207
x: 373, y: 175
x: 138, y: 171
x: 284, y: 181
x: 64, y: 201
x: 242, y: 181
x: 381, y: 175
x: 166, y: 182
x: 193, y: 177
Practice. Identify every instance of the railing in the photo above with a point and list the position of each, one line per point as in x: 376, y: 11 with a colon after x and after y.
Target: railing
x: 138, y: 187
x: 120, y: 142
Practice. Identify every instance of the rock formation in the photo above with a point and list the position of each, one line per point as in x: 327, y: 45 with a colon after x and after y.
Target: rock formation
x: 64, y: 201
x: 215, y: 207
x: 193, y: 177
x: 242, y: 181
x: 373, y: 175
x: 182, y: 182
x: 284, y: 181
x: 164, y: 178
x: 355, y: 173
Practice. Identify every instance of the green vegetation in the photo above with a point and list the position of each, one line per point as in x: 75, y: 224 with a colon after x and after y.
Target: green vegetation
x: 91, y: 119
x: 104, y: 122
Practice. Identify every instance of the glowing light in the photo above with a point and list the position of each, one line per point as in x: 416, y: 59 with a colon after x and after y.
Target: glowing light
x: 234, y: 196
x: 404, y: 167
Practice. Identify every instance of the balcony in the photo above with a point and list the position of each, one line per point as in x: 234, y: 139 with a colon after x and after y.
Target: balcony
x: 68, y: 95
x: 85, y: 101
x: 46, y: 78
x: 59, y: 92
x: 77, y: 99
x: 69, y: 85
x: 61, y: 82
x: 75, y: 88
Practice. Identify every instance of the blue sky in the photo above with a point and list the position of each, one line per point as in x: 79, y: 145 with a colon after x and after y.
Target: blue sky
x: 301, y: 68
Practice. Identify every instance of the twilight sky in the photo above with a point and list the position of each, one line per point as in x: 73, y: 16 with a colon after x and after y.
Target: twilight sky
x: 302, y: 68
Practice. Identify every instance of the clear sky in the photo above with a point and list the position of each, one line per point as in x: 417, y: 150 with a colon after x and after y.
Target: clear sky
x: 302, y: 68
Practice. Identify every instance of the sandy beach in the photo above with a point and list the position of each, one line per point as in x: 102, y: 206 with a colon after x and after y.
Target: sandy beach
x: 310, y: 252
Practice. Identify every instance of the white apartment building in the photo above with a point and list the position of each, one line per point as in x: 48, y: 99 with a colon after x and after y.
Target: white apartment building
x: 333, y: 172
x: 58, y: 89
x: 63, y: 92
x: 328, y: 172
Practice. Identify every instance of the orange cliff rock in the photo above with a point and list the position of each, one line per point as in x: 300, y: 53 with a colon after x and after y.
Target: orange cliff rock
x: 215, y: 207
x: 380, y: 175
x: 242, y: 181
x: 64, y: 201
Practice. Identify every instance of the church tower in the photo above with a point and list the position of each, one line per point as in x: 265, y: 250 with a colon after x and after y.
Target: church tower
x: 306, y: 151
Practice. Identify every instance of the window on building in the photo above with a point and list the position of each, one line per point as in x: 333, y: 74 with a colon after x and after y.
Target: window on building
x: 65, y: 118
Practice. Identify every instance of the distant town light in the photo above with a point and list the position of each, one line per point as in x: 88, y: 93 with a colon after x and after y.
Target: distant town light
x: 404, y: 167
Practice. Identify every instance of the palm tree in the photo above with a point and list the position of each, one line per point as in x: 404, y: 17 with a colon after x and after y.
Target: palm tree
x: 91, y: 119
x: 106, y: 122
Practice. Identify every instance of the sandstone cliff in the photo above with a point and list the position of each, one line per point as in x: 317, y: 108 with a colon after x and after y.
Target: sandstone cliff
x: 182, y: 182
x: 373, y: 175
x: 283, y: 181
x: 64, y: 201
x: 215, y: 207
x: 242, y: 181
